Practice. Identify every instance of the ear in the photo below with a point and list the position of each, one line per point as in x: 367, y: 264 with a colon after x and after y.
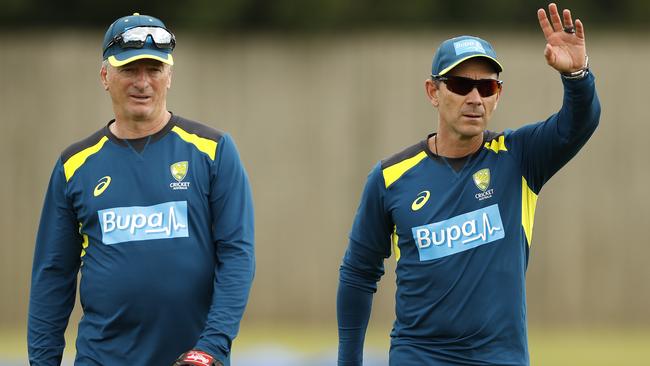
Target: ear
x: 431, y: 90
x: 103, y: 75
x: 496, y: 102
x: 169, y: 79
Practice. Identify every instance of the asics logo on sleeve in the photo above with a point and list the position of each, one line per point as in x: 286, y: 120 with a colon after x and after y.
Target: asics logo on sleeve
x: 101, y: 186
x: 459, y: 233
x: 163, y: 221
x: 421, y: 200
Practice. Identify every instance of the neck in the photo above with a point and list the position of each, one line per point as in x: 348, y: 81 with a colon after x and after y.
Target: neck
x: 131, y: 129
x: 454, y: 147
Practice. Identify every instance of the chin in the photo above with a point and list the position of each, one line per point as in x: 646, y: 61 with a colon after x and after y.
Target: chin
x: 473, y: 131
x: 139, y: 114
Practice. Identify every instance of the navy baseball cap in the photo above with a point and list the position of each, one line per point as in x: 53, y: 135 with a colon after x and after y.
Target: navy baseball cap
x: 456, y: 50
x: 119, y: 54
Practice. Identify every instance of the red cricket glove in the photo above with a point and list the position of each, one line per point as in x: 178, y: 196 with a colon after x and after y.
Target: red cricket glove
x: 196, y: 358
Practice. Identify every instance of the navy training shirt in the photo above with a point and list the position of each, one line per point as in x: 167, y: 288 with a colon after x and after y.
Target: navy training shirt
x: 461, y: 240
x: 163, y: 239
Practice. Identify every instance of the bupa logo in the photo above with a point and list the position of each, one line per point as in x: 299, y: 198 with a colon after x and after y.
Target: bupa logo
x: 458, y: 233
x: 163, y: 221
x: 179, y: 171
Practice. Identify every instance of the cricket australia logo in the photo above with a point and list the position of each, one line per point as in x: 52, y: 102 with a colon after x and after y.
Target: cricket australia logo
x: 482, y: 182
x: 179, y: 171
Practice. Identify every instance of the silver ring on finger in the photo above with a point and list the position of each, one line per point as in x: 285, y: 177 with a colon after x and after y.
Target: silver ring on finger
x: 570, y: 29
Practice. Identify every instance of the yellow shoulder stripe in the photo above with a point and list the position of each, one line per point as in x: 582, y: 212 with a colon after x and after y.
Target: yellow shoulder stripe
x: 394, y: 172
x: 78, y: 159
x: 204, y: 145
x: 528, y: 205
x: 497, y: 145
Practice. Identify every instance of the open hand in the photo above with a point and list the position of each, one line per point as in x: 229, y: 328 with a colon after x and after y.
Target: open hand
x: 565, y: 42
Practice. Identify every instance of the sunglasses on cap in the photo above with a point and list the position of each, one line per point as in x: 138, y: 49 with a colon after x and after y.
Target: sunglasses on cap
x: 136, y: 38
x: 463, y: 86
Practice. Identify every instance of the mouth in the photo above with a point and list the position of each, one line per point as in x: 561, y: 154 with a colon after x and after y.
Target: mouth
x: 140, y: 98
x: 473, y: 115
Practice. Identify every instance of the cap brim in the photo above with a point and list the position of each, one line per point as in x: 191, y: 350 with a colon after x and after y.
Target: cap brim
x: 131, y: 55
x: 496, y: 63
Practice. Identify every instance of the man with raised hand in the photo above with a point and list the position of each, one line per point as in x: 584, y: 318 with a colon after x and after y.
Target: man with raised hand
x: 156, y: 214
x: 456, y: 210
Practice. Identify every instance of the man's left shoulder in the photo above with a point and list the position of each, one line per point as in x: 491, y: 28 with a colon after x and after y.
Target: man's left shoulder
x: 205, y: 138
x: 197, y: 128
x: 496, y: 141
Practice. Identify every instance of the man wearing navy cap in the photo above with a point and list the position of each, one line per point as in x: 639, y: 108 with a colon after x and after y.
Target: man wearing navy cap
x: 456, y: 210
x: 155, y: 212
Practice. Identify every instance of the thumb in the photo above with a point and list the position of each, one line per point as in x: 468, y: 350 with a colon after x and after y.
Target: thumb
x: 549, y: 55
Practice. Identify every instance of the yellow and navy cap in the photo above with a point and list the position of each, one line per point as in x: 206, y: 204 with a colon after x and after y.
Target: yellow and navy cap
x: 456, y: 50
x: 118, y: 56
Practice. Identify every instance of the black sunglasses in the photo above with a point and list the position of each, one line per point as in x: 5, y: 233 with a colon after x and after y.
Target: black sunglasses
x: 137, y: 37
x: 463, y: 86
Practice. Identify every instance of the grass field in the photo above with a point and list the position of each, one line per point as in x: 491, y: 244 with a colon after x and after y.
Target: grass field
x: 315, y: 346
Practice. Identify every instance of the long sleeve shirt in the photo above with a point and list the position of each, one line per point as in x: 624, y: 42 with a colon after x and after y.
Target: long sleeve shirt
x: 461, y: 240
x: 163, y: 239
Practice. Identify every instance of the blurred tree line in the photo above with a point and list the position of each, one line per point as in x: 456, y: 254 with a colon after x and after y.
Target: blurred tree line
x: 315, y: 15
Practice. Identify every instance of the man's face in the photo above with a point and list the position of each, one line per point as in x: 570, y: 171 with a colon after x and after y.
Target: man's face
x: 464, y: 116
x: 138, y: 89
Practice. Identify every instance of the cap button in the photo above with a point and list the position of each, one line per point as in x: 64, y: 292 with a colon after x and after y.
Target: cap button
x: 136, y: 13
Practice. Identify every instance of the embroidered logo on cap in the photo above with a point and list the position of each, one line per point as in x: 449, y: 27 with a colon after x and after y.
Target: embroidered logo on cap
x: 468, y: 45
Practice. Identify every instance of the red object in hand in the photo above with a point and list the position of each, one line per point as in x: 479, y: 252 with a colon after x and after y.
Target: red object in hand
x: 196, y: 358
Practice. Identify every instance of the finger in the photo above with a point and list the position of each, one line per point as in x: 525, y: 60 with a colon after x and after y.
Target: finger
x: 566, y: 14
x: 580, y: 29
x: 555, y: 17
x: 544, y: 23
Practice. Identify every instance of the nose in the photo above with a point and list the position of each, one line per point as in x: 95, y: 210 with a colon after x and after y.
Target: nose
x: 141, y: 79
x: 473, y: 97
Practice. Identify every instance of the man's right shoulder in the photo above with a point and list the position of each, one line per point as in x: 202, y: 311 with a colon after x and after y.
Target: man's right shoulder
x: 74, y: 156
x: 93, y: 141
x: 396, y: 165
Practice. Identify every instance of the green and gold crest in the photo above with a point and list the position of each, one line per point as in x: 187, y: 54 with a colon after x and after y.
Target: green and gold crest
x: 482, y: 179
x: 179, y: 170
